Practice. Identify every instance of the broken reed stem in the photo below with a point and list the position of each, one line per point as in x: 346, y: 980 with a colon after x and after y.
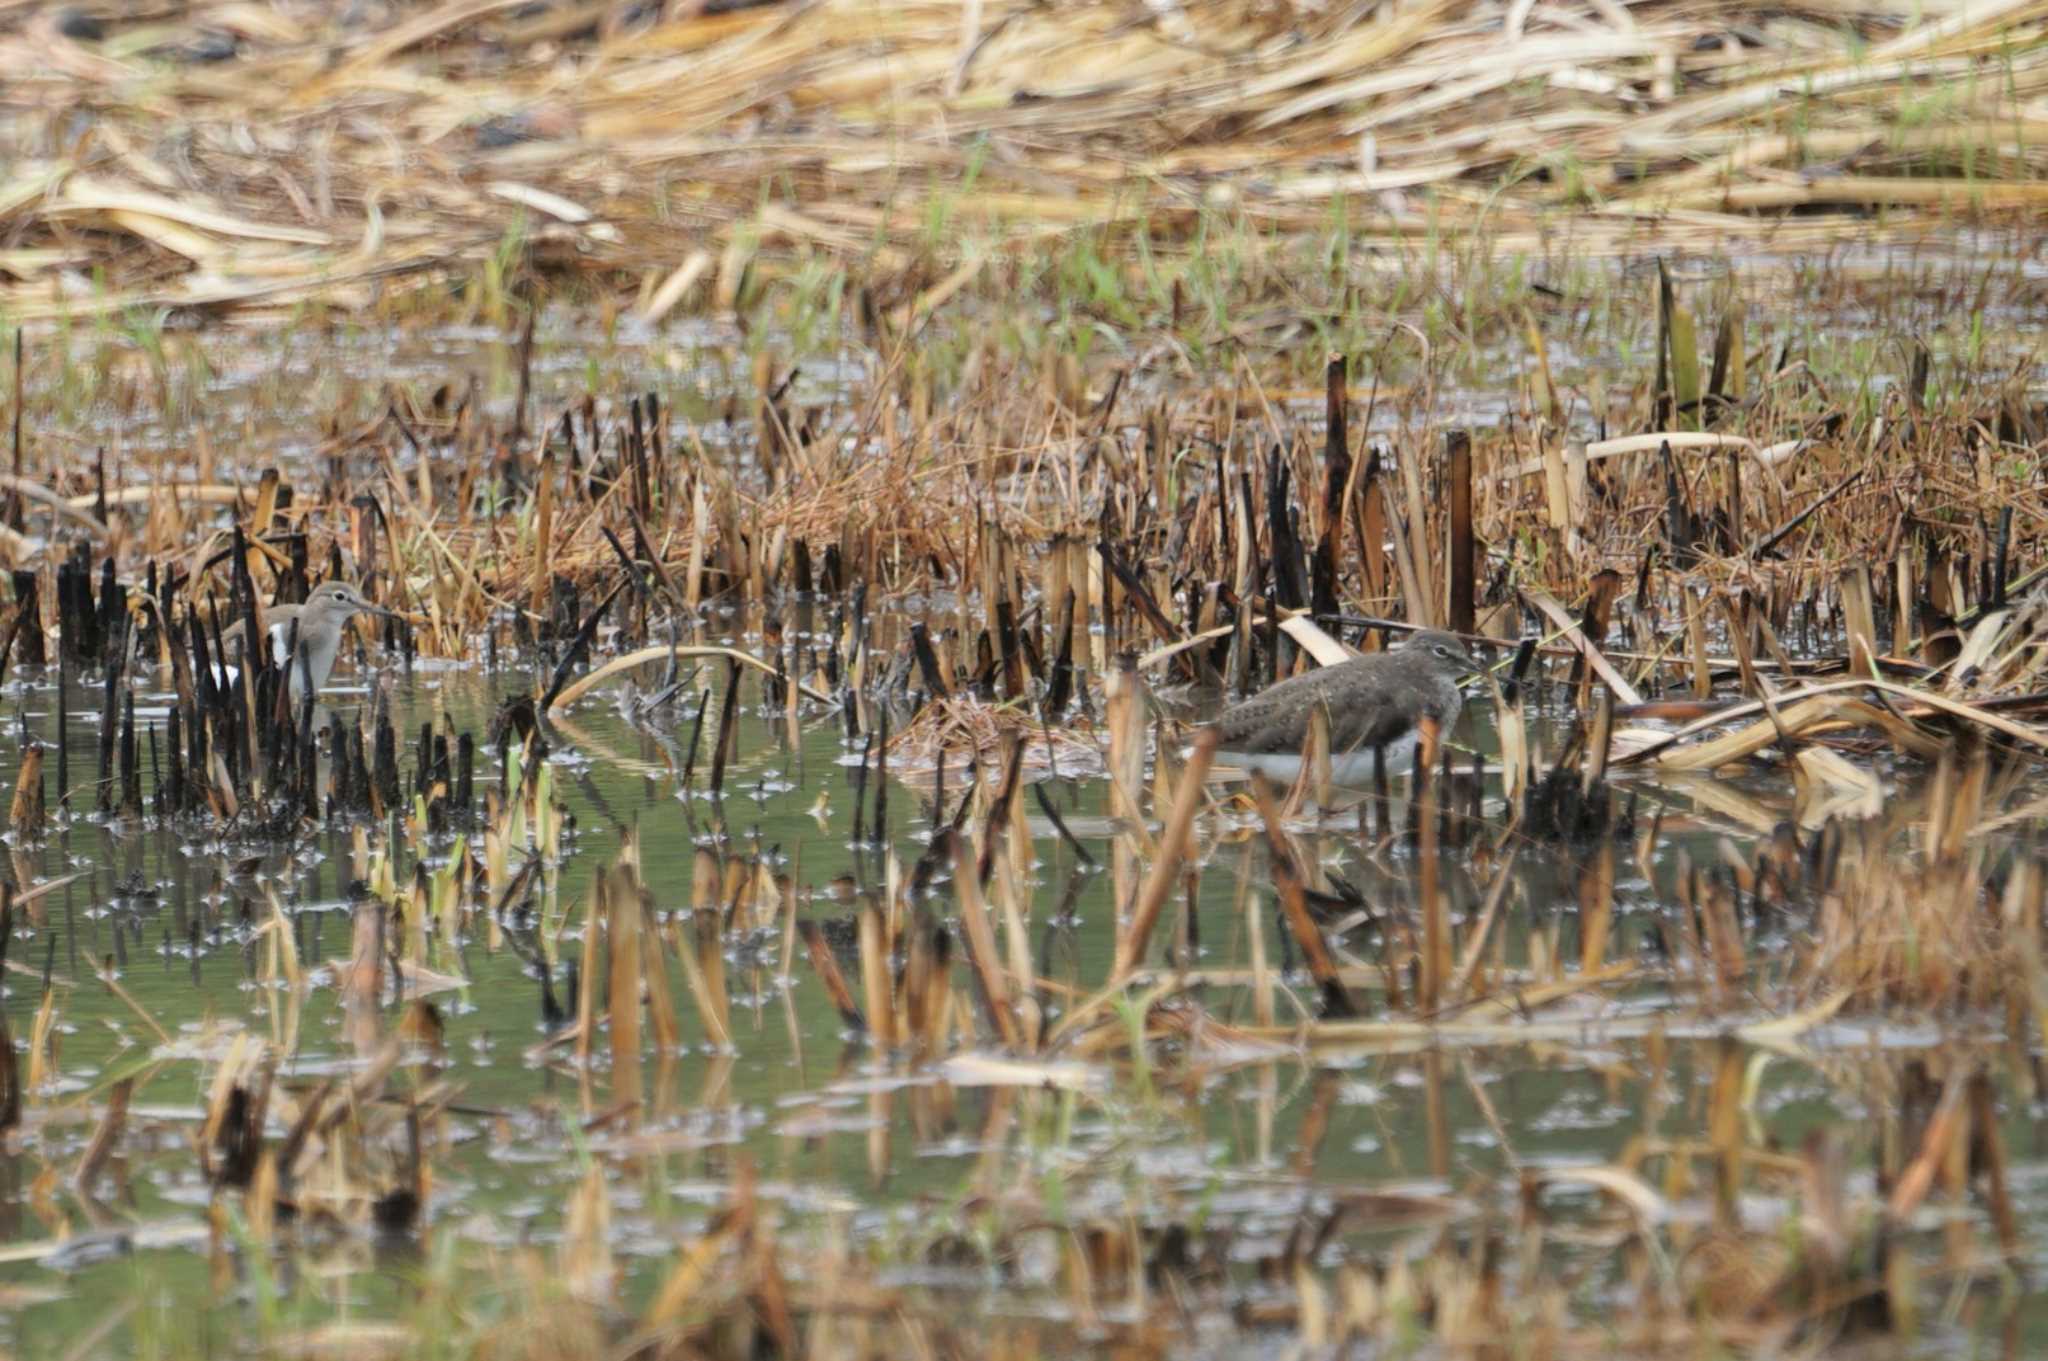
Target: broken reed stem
x: 586, y: 995
x: 26, y: 814
x: 1124, y: 703
x: 704, y: 969
x: 1475, y: 942
x: 1988, y: 1155
x: 1464, y: 558
x: 114, y: 986
x: 1011, y: 896
x: 1166, y: 865
x: 621, y: 909
x: 1255, y: 937
x: 1436, y: 923
x: 10, y: 1067
x: 981, y: 944
x: 105, y: 1138
x: 1949, y: 1122
x: 1417, y: 567
x: 874, y: 976
x: 1596, y: 906
x: 1287, y: 883
x: 661, y: 1002
x: 1337, y: 483
x: 927, y: 983
x: 827, y: 969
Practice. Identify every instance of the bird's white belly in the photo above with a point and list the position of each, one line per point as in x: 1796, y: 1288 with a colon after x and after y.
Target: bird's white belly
x: 1350, y: 768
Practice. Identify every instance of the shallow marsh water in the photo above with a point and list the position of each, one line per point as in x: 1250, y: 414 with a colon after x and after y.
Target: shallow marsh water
x: 839, y: 1137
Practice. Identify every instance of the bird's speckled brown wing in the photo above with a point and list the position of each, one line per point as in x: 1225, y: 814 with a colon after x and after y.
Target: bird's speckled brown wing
x: 1276, y: 719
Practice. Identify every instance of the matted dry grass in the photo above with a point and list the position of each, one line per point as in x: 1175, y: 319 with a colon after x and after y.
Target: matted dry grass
x: 341, y: 152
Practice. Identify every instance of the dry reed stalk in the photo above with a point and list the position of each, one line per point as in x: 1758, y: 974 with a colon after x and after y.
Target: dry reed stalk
x: 1812, y: 707
x: 1261, y: 974
x: 1372, y: 529
x: 1725, y: 1132
x: 1418, y: 563
x: 10, y: 1067
x: 1599, y: 747
x: 113, y: 985
x: 620, y: 907
x: 284, y: 945
x: 1569, y: 629
x: 1860, y: 620
x: 233, y: 1072
x: 417, y: 912
x: 1011, y: 895
x: 1723, y: 936
x: 1167, y: 863
x: 544, y: 542
x: 1696, y: 638
x: 661, y: 1003
x: 1463, y: 554
x: 26, y: 814
x: 584, y: 1256
x: 1437, y: 945
x: 1413, y: 599
x: 42, y: 1052
x: 915, y: 993
x: 1512, y: 732
x: 1287, y: 883
x: 874, y: 977
x: 1312, y: 781
x: 981, y: 946
x: 1557, y: 495
x: 1436, y: 1119
x: 1987, y: 1153
x: 1596, y: 907
x: 2026, y: 890
x: 1125, y: 702
x: 827, y: 968
x: 1945, y: 1129
x: 586, y: 997
x: 703, y: 960
x: 106, y: 1137
x: 939, y: 998
x: 1475, y: 943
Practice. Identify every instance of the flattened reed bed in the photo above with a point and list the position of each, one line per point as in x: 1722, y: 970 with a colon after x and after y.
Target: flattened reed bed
x: 263, y: 158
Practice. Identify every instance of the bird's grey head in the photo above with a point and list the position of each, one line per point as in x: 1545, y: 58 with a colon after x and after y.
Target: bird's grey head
x: 339, y: 597
x: 1444, y: 652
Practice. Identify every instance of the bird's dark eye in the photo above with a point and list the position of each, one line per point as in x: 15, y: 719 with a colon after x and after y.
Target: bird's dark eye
x: 1443, y: 652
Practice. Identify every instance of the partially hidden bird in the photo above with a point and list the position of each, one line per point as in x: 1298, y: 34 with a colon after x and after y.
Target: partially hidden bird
x: 320, y: 623
x: 1376, y: 703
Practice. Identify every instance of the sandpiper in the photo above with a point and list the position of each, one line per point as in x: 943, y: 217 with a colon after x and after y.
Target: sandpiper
x: 1377, y: 702
x: 321, y: 619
